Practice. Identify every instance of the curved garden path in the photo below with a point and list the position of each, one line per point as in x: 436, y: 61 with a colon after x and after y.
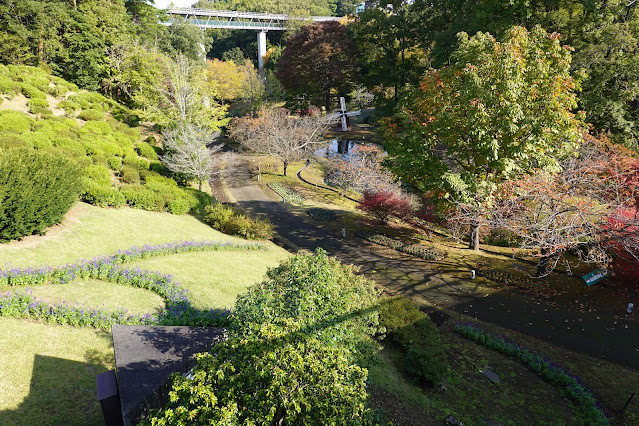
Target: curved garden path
x: 598, y: 334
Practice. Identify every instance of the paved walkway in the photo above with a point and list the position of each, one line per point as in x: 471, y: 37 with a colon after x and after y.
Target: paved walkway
x: 606, y: 337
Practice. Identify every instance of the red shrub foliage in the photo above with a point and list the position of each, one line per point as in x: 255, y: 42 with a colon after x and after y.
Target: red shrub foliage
x: 384, y: 204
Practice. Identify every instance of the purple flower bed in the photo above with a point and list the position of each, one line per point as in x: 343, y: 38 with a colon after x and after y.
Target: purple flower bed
x: 584, y: 403
x: 179, y: 310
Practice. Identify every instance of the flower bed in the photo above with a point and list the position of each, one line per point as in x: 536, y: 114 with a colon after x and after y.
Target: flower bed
x: 286, y: 193
x: 178, y: 310
x: 584, y: 403
x: 323, y: 215
x: 523, y: 283
x: 399, y: 245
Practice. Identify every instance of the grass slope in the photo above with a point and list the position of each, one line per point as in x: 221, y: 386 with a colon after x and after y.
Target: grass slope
x: 47, y: 372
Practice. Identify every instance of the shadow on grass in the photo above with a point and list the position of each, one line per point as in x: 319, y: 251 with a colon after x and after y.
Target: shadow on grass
x: 62, y: 392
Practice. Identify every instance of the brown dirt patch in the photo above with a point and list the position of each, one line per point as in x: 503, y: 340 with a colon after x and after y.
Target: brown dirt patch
x: 397, y: 411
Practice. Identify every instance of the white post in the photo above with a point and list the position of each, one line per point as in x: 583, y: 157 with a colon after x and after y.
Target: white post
x: 261, y: 50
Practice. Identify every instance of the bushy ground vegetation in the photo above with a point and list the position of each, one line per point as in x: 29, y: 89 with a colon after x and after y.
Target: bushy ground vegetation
x: 94, y: 132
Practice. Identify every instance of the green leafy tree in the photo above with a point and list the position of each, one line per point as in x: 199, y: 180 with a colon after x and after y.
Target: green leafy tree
x: 185, y: 39
x: 499, y: 111
x: 289, y: 359
x: 605, y: 35
x: 391, y: 55
x: 318, y: 60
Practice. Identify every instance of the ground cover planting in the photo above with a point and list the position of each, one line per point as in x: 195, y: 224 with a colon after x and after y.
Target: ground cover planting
x: 586, y: 407
x: 323, y: 215
x: 402, y: 246
x: 286, y: 193
x: 179, y: 310
x: 118, y: 166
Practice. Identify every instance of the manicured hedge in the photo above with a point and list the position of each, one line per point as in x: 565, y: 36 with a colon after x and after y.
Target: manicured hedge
x: 424, y: 352
x: 584, y: 403
x: 233, y: 221
x: 36, y: 190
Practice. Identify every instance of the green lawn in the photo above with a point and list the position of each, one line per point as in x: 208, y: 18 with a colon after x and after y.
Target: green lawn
x: 96, y: 294
x: 47, y: 372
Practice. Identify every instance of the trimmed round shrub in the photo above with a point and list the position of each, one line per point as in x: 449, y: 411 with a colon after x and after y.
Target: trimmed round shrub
x: 38, y: 103
x: 103, y: 196
x: 99, y: 127
x: 179, y: 206
x: 91, y: 114
x: 36, y: 189
x: 15, y: 122
x: 146, y: 150
x: 32, y: 92
x: 140, y: 197
x: 8, y: 86
x: 98, y: 174
x: 129, y: 175
x: 68, y: 106
x: 114, y: 163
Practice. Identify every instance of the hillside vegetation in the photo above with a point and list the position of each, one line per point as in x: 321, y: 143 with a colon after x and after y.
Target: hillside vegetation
x: 43, y: 112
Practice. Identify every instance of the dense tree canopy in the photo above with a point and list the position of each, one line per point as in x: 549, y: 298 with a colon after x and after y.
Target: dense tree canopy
x: 500, y: 110
x: 605, y: 35
x: 319, y: 60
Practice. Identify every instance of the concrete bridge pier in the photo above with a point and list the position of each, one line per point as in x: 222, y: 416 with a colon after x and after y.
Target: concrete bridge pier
x: 261, y: 50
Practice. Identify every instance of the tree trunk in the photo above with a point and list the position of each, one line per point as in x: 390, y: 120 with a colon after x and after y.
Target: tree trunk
x: 327, y: 102
x: 542, y: 266
x: 474, y: 236
x: 285, y: 167
x: 199, y: 187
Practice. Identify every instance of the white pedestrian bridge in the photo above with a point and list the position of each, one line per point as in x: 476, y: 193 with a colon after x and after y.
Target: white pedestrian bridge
x: 234, y: 20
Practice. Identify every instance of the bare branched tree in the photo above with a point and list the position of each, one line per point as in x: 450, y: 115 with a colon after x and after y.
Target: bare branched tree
x: 274, y: 132
x: 590, y: 208
x: 187, y: 151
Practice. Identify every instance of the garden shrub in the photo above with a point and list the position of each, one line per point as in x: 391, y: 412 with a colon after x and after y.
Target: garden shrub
x: 68, y: 106
x: 424, y: 353
x: 290, y: 356
x: 98, y: 174
x: 15, y: 122
x: 14, y: 141
x: 129, y: 175
x: 384, y: 204
x: 8, y: 86
x: 103, y: 196
x: 32, y: 92
x: 91, y: 114
x: 502, y: 237
x: 232, y: 221
x: 397, y: 313
x: 36, y: 190
x: 98, y: 127
x: 114, y: 163
x: 38, y: 102
x: 142, y: 198
x: 321, y: 214
x: 179, y: 206
x: 146, y: 150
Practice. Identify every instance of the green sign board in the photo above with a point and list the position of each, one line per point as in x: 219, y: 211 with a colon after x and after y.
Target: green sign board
x: 595, y: 276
